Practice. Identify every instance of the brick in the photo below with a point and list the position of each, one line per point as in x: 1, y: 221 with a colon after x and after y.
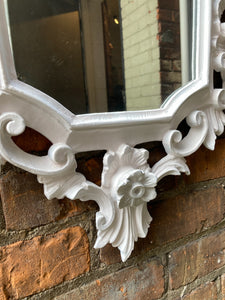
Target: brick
x: 143, y: 36
x: 149, y: 91
x: 150, y: 80
x: 169, y: 33
x: 132, y: 283
x: 169, y: 53
x: 129, y: 8
x: 70, y: 208
x: 132, y: 51
x: 165, y: 65
x: 138, y: 59
x: 176, y: 16
x: 184, y: 214
x: 168, y: 38
x: 91, y: 168
x: 148, y: 21
x: 2, y: 219
x: 223, y: 286
x: 204, y: 292
x: 165, y: 4
x: 151, y: 67
x: 140, y: 103
x: 25, y: 205
x: 23, y: 201
x: 205, y: 164
x: 137, y: 38
x: 196, y: 259
x: 164, y: 26
x: 164, y: 15
x: 170, y: 77
x: 43, y: 262
x: 167, y: 89
x: 177, y: 65
x: 132, y: 93
x: 32, y: 141
x: 176, y: 86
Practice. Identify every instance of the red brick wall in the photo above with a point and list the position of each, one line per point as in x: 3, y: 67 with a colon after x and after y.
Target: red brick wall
x: 47, y: 246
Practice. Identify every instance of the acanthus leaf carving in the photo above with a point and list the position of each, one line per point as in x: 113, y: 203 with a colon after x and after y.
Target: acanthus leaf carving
x: 129, y: 183
x: 170, y: 165
x: 59, y: 187
x: 128, y: 225
x: 216, y: 120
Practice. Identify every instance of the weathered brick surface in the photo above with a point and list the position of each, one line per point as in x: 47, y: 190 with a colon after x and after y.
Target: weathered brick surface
x: 32, y: 141
x: 185, y: 214
x: 172, y: 5
x: 91, y: 169
x: 167, y: 89
x: 196, y: 259
x: 206, y: 291
x: 131, y: 283
x: 164, y: 15
x: 177, y: 65
x: 170, y: 77
x: 168, y: 15
x: 223, y: 286
x: 71, y: 208
x: 166, y: 65
x: 169, y: 53
x: 2, y: 219
x: 25, y: 205
x: 28, y: 267
x: 169, y: 33
x: 175, y: 218
x: 205, y: 164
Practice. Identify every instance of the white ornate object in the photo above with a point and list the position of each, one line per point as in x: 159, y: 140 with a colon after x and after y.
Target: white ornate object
x: 128, y: 182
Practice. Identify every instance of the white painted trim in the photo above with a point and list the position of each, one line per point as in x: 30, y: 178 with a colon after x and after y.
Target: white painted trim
x: 128, y: 182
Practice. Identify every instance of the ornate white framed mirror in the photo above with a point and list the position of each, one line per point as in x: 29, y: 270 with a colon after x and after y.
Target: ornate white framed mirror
x: 128, y: 182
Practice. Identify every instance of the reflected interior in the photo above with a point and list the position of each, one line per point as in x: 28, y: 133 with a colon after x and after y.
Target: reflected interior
x: 94, y: 56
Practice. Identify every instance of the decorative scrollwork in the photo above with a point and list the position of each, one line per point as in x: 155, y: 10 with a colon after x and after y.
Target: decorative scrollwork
x: 128, y: 182
x: 175, y: 145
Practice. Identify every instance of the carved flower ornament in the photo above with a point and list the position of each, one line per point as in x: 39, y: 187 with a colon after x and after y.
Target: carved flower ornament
x: 128, y: 176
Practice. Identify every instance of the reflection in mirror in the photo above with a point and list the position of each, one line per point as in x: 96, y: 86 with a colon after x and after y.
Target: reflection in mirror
x: 46, y: 40
x: 98, y: 55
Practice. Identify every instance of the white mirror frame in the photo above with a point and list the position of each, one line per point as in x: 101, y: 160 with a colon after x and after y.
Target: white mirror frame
x: 128, y: 182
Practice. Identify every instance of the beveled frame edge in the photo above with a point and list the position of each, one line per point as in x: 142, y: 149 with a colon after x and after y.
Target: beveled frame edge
x: 128, y: 182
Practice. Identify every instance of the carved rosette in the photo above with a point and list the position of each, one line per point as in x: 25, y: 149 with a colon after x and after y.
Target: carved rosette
x: 128, y: 177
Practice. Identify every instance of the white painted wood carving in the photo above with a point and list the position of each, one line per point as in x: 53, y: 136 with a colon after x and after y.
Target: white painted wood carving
x: 128, y: 182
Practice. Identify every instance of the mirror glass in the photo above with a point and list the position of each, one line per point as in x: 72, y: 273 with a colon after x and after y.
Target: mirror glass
x: 98, y: 55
